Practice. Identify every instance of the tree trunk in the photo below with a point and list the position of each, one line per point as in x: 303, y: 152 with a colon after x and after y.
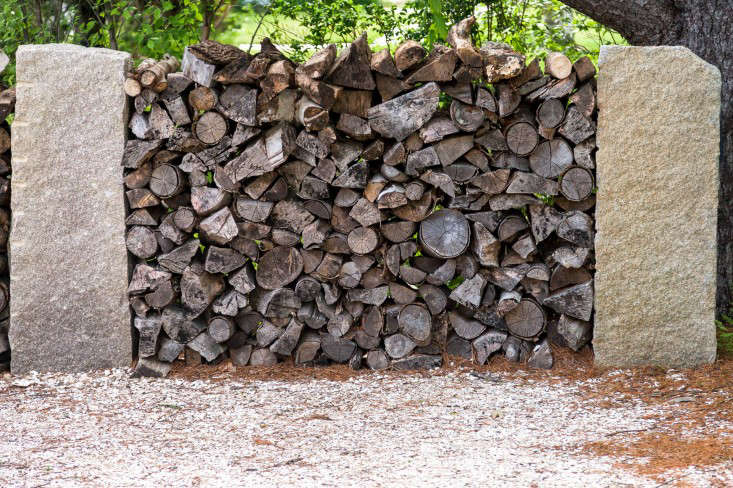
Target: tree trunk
x: 706, y: 28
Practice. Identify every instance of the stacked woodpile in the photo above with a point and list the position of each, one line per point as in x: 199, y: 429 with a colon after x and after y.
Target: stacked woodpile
x: 361, y: 207
x: 7, y: 108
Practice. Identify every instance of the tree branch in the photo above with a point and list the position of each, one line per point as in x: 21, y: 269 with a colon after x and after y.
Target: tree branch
x: 265, y: 13
x: 644, y: 22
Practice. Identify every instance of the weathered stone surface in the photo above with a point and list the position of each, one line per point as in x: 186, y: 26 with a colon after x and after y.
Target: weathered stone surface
x: 656, y: 207
x: 68, y: 256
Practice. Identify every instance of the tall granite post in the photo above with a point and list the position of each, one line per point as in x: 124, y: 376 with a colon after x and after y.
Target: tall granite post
x: 659, y: 141
x: 68, y: 261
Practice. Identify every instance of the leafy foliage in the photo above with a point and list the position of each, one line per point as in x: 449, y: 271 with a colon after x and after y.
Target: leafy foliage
x: 725, y: 332
x: 305, y: 25
x: 153, y: 28
x: 143, y: 28
x: 532, y: 27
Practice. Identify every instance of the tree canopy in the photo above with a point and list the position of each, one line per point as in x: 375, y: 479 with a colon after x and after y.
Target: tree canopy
x: 153, y: 28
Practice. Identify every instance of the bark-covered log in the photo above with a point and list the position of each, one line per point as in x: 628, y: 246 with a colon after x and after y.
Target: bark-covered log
x: 575, y: 301
x: 459, y: 37
x: 438, y: 66
x: 408, y: 55
x: 577, y: 228
x: 155, y: 74
x: 584, y: 69
x: 576, y: 127
x: 401, y: 116
x: 352, y: 67
x: 500, y: 62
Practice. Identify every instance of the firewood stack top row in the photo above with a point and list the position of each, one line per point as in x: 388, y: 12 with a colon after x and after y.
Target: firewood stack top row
x: 365, y: 208
x: 7, y: 108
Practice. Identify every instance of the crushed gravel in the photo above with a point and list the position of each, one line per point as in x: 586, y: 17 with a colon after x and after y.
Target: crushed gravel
x: 448, y: 429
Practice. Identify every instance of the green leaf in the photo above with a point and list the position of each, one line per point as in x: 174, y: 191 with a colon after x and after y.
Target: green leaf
x: 455, y: 282
x: 548, y: 200
x: 524, y: 213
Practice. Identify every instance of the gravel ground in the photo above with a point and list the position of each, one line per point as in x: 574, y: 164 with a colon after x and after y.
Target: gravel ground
x: 448, y: 429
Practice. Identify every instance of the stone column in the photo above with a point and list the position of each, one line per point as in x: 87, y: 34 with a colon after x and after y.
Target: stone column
x: 659, y: 142
x: 68, y: 261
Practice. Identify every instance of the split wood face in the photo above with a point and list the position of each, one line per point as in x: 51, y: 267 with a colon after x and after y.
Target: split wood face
x: 361, y: 208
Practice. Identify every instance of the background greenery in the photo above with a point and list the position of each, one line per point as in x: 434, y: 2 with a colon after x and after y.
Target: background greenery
x: 152, y: 28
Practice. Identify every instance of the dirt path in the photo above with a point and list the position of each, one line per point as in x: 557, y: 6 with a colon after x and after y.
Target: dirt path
x: 441, y: 429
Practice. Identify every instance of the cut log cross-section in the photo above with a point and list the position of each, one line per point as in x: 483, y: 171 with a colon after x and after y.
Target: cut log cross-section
x: 445, y: 234
x: 551, y: 113
x: 576, y: 183
x: 363, y: 240
x: 166, y: 181
x: 558, y: 65
x: 521, y: 138
x: 279, y: 267
x: 526, y: 320
x: 210, y: 128
x: 468, y: 118
x: 551, y: 158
